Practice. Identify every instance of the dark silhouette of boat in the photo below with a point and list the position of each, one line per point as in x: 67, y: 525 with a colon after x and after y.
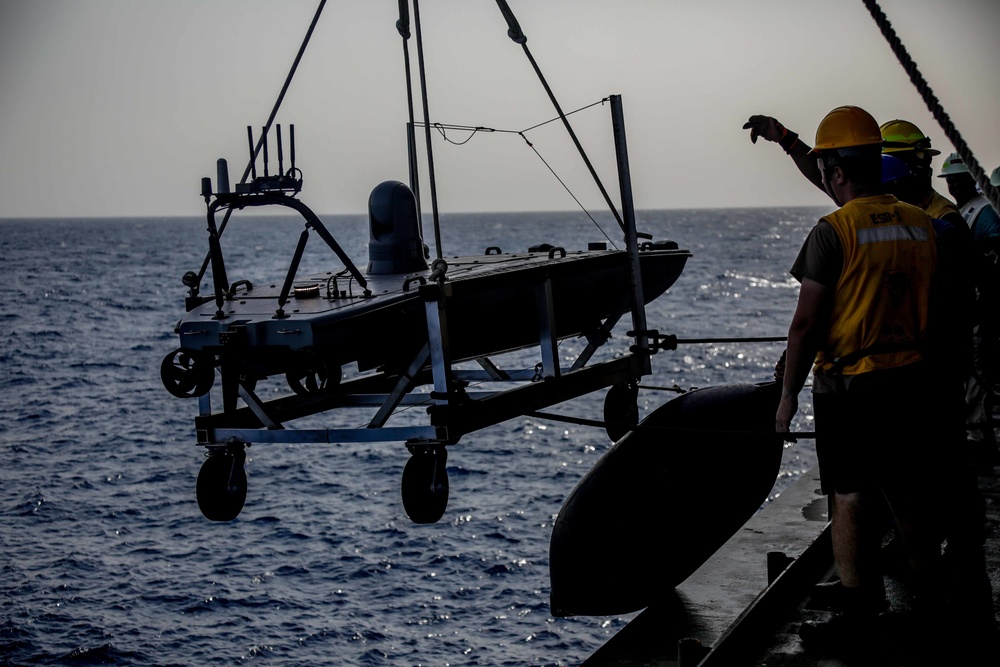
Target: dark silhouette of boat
x: 410, y: 324
x: 637, y: 524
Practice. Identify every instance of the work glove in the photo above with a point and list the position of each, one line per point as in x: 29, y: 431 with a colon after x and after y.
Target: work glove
x: 765, y: 126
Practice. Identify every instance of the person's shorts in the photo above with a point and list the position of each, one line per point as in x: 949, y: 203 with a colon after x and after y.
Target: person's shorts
x: 879, y: 434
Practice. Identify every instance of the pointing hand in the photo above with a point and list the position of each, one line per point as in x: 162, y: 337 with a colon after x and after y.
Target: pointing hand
x: 765, y: 126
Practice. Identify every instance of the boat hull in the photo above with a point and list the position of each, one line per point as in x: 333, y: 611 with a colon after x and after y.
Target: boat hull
x: 491, y: 303
x: 648, y: 491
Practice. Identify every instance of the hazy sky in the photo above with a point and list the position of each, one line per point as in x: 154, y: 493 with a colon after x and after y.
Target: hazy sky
x: 119, y: 107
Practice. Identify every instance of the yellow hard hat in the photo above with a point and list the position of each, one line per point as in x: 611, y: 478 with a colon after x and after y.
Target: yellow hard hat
x: 845, y: 127
x: 902, y: 135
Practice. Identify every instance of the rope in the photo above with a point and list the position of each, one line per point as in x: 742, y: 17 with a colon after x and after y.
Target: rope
x: 761, y: 339
x: 440, y: 127
x: 982, y: 178
x: 791, y: 435
x: 664, y: 429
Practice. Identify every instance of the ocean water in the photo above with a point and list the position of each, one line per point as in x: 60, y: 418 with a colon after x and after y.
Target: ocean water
x: 106, y: 559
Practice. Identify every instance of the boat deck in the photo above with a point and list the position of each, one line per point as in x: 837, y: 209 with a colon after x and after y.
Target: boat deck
x: 745, y: 604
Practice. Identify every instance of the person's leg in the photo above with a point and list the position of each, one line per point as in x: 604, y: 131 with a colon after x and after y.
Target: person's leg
x: 856, y: 531
x: 860, y: 594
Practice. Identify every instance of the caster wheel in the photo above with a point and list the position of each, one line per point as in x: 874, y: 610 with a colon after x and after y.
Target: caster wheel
x: 222, y: 485
x: 424, y: 487
x: 187, y: 373
x: 621, y: 410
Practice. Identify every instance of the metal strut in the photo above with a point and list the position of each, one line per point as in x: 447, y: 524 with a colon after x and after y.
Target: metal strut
x: 982, y: 178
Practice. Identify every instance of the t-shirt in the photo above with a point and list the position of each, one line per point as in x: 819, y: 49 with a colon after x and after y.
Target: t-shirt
x: 821, y: 257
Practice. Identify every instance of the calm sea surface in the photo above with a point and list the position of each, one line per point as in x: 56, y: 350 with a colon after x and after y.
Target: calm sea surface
x: 106, y: 559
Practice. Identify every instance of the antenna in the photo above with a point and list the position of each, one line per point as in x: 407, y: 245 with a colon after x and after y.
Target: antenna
x: 291, y: 142
x: 264, y: 141
x: 253, y: 158
x: 281, y: 159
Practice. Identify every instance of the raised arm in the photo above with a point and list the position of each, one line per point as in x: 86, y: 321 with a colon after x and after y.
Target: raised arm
x: 770, y: 129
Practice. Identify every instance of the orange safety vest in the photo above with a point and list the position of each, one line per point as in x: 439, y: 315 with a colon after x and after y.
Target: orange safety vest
x: 939, y: 205
x: 881, y: 301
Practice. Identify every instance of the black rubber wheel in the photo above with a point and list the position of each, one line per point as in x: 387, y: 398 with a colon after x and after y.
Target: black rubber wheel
x: 187, y: 373
x: 424, y: 487
x: 222, y: 486
x: 621, y: 410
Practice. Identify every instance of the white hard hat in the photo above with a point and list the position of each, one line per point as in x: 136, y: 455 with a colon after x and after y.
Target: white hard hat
x: 953, y: 164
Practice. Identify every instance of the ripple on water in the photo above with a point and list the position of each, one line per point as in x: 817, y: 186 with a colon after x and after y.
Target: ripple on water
x: 106, y: 559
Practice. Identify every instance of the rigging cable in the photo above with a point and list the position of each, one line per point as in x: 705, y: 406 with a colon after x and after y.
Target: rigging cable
x: 982, y: 179
x: 581, y: 421
x: 751, y: 339
x: 267, y: 126
x: 427, y: 131
x: 473, y: 130
x: 441, y: 127
x: 518, y: 37
x: 403, y: 27
x: 566, y: 187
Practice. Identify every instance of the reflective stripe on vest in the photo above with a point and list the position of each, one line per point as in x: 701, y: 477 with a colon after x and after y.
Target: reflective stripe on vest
x: 896, y: 233
x: 972, y: 210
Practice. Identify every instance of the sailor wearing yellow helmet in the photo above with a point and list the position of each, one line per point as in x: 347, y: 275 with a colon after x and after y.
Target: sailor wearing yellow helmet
x: 969, y: 598
x: 905, y: 141
x: 866, y: 274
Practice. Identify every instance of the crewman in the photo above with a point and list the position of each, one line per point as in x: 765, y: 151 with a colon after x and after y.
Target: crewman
x: 904, y: 140
x: 970, y: 599
x: 949, y: 350
x: 866, y: 274
x: 979, y: 214
x: 982, y: 386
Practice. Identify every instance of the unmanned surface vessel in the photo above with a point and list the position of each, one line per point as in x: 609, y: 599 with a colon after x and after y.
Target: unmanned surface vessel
x: 405, y: 330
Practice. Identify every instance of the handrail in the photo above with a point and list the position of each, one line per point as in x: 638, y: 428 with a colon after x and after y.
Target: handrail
x: 267, y: 126
x: 223, y: 290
